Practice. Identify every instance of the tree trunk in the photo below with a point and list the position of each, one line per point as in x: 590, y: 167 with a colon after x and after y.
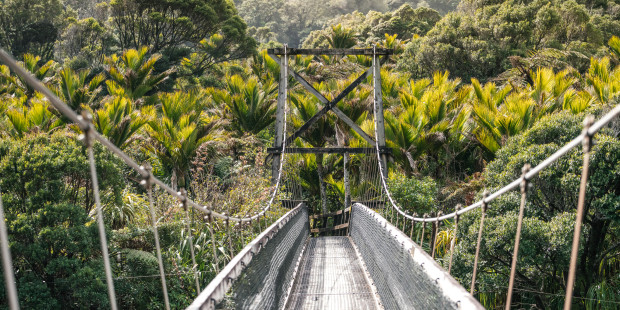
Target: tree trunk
x: 173, y: 180
x: 319, y: 169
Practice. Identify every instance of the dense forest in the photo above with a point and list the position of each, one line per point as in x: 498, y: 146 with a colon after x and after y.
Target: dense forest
x: 475, y: 90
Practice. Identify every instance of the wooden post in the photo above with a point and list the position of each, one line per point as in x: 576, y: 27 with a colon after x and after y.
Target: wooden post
x: 347, y: 187
x: 378, y: 99
x: 283, y: 86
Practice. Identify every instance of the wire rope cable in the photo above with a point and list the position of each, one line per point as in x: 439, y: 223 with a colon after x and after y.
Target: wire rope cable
x: 598, y: 125
x: 83, y: 123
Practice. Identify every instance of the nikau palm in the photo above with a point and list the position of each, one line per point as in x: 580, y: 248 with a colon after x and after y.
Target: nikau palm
x: 74, y: 90
x: 430, y: 118
x: 120, y: 120
x: 176, y: 134
x: 134, y: 73
x: 18, y: 86
x: 36, y: 118
x: 250, y: 105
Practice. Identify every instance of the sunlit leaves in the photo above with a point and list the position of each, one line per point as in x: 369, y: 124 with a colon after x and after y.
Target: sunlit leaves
x: 133, y: 73
x: 75, y: 91
x: 431, y: 114
x: 341, y: 37
x: 119, y: 120
x: 604, y: 80
x: 251, y: 105
x: 180, y: 128
x: 614, y: 45
x: 34, y: 118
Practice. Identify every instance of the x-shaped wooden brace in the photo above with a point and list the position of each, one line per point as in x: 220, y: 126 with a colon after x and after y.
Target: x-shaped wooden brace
x: 329, y: 105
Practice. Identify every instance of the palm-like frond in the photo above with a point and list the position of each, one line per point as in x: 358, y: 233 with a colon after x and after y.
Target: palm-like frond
x: 604, y: 81
x: 305, y: 108
x: 577, y: 102
x: 74, y: 89
x: 120, y: 120
x: 250, y: 105
x: 341, y: 37
x: 134, y: 72
x: 181, y: 128
x: 17, y: 85
x: 614, y: 45
x: 34, y: 118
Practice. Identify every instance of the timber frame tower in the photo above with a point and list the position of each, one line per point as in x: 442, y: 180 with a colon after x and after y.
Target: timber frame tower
x: 379, y: 56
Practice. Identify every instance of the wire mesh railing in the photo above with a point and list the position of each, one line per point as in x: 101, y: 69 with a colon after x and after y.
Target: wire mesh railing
x: 89, y: 136
x: 393, y: 260
x: 263, y: 271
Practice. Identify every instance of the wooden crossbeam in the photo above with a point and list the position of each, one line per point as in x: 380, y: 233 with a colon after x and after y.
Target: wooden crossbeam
x: 331, y: 51
x: 325, y: 101
x: 316, y: 216
x: 326, y: 229
x: 329, y: 150
x: 328, y: 107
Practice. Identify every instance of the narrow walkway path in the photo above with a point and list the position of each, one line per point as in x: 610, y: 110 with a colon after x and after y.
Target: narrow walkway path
x: 331, y: 276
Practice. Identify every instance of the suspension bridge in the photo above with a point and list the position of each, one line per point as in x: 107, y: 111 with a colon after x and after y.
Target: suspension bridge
x: 361, y: 257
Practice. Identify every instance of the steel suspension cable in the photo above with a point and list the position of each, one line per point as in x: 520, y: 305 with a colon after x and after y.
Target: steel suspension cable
x: 87, y: 137
x: 7, y: 263
x: 453, y: 241
x: 94, y: 135
x: 146, y: 182
x: 515, y: 255
x: 587, y: 146
x: 472, y: 287
x: 593, y: 129
x: 190, y: 237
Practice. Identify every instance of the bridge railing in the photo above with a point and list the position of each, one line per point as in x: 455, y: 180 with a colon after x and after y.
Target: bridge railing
x: 89, y: 136
x: 261, y: 279
x: 394, y: 260
x: 591, y: 127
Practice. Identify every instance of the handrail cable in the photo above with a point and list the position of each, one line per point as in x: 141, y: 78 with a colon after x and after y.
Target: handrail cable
x: 83, y: 123
x: 591, y: 131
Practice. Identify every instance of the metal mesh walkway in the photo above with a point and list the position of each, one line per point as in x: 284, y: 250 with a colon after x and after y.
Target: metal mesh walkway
x: 331, y: 276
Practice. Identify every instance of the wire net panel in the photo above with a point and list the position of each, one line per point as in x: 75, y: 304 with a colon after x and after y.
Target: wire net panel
x: 331, y: 276
x: 404, y: 275
x: 266, y: 280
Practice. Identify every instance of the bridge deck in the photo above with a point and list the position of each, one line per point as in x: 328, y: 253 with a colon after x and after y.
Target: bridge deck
x: 331, y: 276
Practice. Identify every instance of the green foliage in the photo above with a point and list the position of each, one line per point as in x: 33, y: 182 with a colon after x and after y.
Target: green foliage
x: 76, y: 91
x: 431, y: 119
x: 119, y: 120
x: 549, y: 215
x: 86, y: 40
x: 341, y: 37
x: 132, y: 75
x: 614, y: 45
x: 218, y: 47
x: 250, y: 104
x: 182, y: 127
x: 28, y: 26
x: 405, y: 22
x: 47, y: 197
x: 605, y: 81
x: 415, y: 195
x: 201, y: 100
x: 33, y: 64
x: 53, y: 168
x: 27, y: 119
x: 476, y: 41
x: 214, y: 24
